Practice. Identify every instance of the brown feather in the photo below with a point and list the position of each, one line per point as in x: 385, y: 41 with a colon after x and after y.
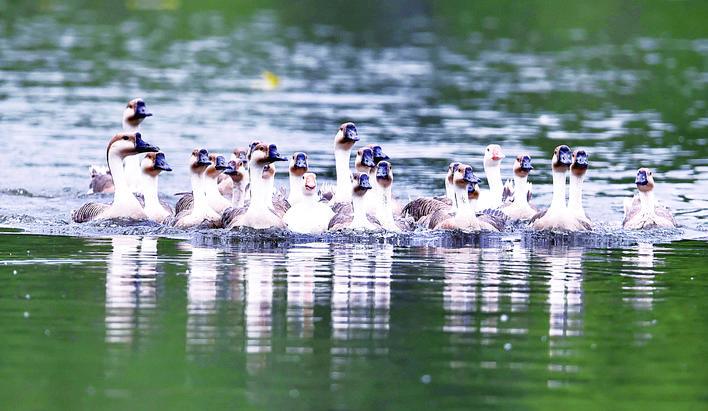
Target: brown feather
x: 88, y: 212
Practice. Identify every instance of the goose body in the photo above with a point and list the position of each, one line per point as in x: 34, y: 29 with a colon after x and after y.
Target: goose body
x: 426, y: 206
x: 355, y: 217
x: 216, y: 201
x: 643, y: 211
x: 200, y: 212
x: 309, y: 215
x: 492, y: 198
x: 519, y: 208
x: 125, y: 204
x: 152, y: 165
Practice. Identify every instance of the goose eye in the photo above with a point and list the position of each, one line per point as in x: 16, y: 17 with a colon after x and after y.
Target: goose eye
x: 125, y: 137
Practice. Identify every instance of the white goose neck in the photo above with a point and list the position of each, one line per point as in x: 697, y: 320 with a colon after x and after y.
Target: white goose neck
x: 558, y: 202
x: 463, y: 208
x: 359, y: 211
x: 493, y: 173
x: 150, y: 191
x: 575, y: 192
x: 238, y: 194
x: 198, y: 195
x: 122, y: 190
x: 521, y: 190
x: 296, y: 185
x: 647, y: 201
x: 344, y: 175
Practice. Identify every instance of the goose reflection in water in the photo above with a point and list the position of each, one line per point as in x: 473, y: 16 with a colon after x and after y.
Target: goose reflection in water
x: 202, y: 287
x: 301, y: 264
x: 130, y: 287
x: 640, y: 293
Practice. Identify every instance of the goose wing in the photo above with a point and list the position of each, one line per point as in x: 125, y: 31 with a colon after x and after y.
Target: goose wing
x: 88, y: 212
x: 421, y: 207
x: 186, y: 202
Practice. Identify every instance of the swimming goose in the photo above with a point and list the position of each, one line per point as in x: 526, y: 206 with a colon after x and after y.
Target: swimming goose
x: 364, y: 163
x: 226, y: 183
x: 101, y: 180
x: 643, y: 211
x: 384, y: 202
x: 211, y: 189
x: 519, y: 208
x: 379, y: 155
x: 344, y: 140
x: 557, y: 216
x: 200, y: 211
x: 260, y: 213
x: 298, y: 168
x: 124, y: 205
x: 462, y: 215
x: 236, y: 170
x: 309, y: 215
x: 426, y: 206
x: 355, y: 218
x: 152, y: 165
x: 134, y: 114
x: 492, y: 198
x: 578, y: 168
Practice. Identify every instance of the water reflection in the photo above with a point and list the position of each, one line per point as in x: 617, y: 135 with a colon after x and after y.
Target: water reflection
x: 201, y: 297
x: 640, y: 261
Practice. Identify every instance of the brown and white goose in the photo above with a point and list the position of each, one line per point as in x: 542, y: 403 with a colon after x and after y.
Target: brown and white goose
x: 355, y: 218
x: 152, y: 165
x: 643, y: 211
x: 344, y: 140
x: 578, y: 169
x: 519, y: 208
x: 200, y: 212
x: 426, y: 206
x: 124, y: 204
x: 134, y: 114
x: 298, y: 168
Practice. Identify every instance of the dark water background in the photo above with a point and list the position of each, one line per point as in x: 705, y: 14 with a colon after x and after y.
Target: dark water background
x: 613, y: 320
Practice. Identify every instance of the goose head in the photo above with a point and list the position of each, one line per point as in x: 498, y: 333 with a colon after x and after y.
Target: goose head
x: 384, y: 174
x: 298, y: 164
x: 251, y: 147
x: 378, y: 153
x: 154, y: 163
x: 240, y: 153
x: 236, y: 169
x: 128, y: 144
x: 562, y: 158
x: 217, y: 166
x: 310, y: 186
x: 135, y: 112
x: 522, y: 165
x: 360, y: 184
x: 346, y: 137
x: 464, y: 175
x: 493, y: 155
x: 451, y: 169
x: 199, y: 160
x: 268, y: 171
x: 262, y: 154
x: 644, y: 180
x: 580, y: 163
x: 364, y: 161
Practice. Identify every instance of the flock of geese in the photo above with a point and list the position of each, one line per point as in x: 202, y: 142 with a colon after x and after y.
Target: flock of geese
x: 241, y: 192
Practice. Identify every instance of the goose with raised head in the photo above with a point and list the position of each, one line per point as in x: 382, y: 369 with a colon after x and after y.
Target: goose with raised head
x: 152, y: 165
x: 309, y: 215
x: 199, y: 212
x: 298, y: 168
x: 643, y: 211
x: 226, y: 183
x: 134, y: 114
x: 384, y: 202
x: 519, y: 208
x: 492, y: 198
x: 124, y: 204
x: 355, y: 218
x: 236, y: 171
x: 578, y: 169
x: 260, y: 213
x: 211, y: 188
x: 557, y: 217
x: 344, y: 140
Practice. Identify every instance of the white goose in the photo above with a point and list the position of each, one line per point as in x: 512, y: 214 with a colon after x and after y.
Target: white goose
x: 643, y: 211
x: 309, y: 215
x: 152, y: 165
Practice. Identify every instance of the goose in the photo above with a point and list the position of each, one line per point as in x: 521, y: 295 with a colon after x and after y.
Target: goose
x: 101, y: 180
x: 355, y: 218
x: 519, y: 208
x: 134, y: 114
x: 152, y: 165
x: 124, y: 205
x: 384, y: 204
x: 260, y: 213
x: 226, y: 183
x: 364, y: 163
x: 426, y: 206
x: 200, y: 211
x: 211, y: 188
x: 236, y: 170
x: 378, y: 153
x: 578, y: 168
x: 557, y: 217
x: 344, y: 140
x: 298, y: 168
x: 309, y: 215
x: 462, y: 214
x: 492, y: 198
x: 643, y: 211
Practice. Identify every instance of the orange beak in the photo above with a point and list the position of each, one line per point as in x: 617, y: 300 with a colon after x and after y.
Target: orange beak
x: 497, y: 154
x: 310, y: 182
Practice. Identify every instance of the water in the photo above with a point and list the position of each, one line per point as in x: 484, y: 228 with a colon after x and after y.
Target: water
x: 135, y: 316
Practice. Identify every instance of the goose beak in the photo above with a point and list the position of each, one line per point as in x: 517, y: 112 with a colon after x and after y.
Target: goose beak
x: 497, y: 154
x: 364, y: 182
x: 300, y: 161
x: 243, y: 156
x: 350, y: 133
x: 382, y: 170
x: 367, y: 158
x: 273, y: 154
x: 379, y: 154
x: 142, y: 146
x: 203, y: 158
x: 220, y: 163
x: 230, y: 168
x: 581, y: 159
x: 565, y: 156
x: 470, y: 177
x: 160, y: 163
x: 310, y: 182
x: 526, y: 163
x: 141, y: 110
x: 471, y: 188
x: 641, y: 179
